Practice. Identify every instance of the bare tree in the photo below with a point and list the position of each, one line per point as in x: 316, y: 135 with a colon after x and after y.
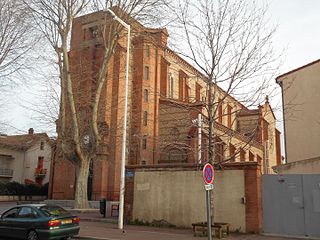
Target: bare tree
x: 16, y: 38
x: 15, y: 41
x: 230, y: 43
x: 79, y: 139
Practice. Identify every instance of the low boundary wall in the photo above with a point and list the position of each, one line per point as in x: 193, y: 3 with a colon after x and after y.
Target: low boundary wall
x: 176, y: 194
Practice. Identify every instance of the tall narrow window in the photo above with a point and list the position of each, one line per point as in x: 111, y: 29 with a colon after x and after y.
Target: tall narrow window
x: 229, y: 116
x: 251, y: 156
x: 147, y: 51
x: 146, y: 73
x: 232, y: 153
x: 145, y: 95
x: 187, y: 93
x: 145, y: 118
x: 171, y: 82
x: 265, y: 128
x: 41, y: 145
x: 144, y: 142
x: 220, y: 111
x: 198, y: 91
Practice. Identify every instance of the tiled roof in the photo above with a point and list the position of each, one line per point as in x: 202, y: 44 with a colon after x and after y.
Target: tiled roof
x: 22, y: 142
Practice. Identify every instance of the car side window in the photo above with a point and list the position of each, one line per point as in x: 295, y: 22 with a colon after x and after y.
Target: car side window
x: 26, y: 212
x: 12, y: 213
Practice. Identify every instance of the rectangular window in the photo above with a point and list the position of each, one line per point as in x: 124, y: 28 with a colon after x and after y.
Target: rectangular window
x: 41, y: 145
x: 171, y: 82
x: 187, y: 93
x: 145, y: 118
x: 232, y: 152
x: 146, y: 73
x: 265, y: 128
x: 251, y: 156
x: 198, y: 91
x: 220, y: 111
x: 144, y: 142
x: 229, y: 116
x: 181, y: 88
x: 164, y: 78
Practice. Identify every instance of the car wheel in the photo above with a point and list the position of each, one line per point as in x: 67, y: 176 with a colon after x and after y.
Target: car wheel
x: 32, y: 235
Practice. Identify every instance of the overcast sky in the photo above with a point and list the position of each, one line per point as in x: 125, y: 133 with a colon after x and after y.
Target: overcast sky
x: 298, y: 31
x: 298, y: 35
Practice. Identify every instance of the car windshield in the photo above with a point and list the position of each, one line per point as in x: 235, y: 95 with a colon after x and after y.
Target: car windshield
x: 53, y: 211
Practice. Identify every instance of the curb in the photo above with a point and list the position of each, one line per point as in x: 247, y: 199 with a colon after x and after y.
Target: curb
x: 105, y: 220
x: 92, y: 238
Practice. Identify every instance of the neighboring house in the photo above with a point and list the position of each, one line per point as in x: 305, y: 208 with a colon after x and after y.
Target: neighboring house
x: 166, y: 93
x: 301, y: 98
x: 25, y: 158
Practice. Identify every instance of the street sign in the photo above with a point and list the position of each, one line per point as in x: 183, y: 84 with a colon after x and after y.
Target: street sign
x: 208, y: 174
x: 208, y: 187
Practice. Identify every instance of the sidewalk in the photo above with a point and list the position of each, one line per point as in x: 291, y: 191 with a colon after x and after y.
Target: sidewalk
x: 93, y: 215
x: 109, y: 231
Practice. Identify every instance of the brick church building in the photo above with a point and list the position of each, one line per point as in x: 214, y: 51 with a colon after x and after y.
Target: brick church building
x: 165, y: 94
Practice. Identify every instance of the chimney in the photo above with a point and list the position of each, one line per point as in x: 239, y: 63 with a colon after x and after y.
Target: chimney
x: 30, y: 131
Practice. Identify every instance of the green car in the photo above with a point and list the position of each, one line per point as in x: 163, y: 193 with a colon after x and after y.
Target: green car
x: 38, y: 222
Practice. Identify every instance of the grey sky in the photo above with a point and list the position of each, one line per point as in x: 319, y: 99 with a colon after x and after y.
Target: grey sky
x: 298, y: 35
x: 298, y: 31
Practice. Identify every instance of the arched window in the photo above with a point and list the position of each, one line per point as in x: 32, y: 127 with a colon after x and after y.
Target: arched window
x: 145, y: 118
x: 145, y: 95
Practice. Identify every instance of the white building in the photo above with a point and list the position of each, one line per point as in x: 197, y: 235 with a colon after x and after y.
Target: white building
x: 25, y: 158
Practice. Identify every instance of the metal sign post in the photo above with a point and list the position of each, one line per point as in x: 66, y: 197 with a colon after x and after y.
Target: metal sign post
x: 208, y: 213
x: 208, y: 176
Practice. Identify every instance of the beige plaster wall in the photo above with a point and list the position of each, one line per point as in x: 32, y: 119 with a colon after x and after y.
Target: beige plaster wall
x: 31, y: 161
x: 24, y: 163
x: 301, y: 97
x: 179, y: 197
x: 309, y: 166
x: 15, y: 164
x: 228, y: 193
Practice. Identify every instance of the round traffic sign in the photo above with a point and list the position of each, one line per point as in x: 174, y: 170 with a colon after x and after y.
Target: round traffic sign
x: 208, y: 173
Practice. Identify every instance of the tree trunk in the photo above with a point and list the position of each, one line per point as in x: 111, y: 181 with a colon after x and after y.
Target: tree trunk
x: 81, y: 194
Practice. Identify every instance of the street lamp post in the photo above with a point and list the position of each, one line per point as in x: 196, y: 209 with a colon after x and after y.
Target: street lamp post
x: 124, y: 134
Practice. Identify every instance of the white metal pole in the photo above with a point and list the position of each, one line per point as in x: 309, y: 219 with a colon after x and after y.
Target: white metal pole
x: 124, y: 138
x: 199, y: 137
x: 124, y: 134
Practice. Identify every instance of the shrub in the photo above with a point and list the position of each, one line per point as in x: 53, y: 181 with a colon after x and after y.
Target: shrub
x: 18, y: 189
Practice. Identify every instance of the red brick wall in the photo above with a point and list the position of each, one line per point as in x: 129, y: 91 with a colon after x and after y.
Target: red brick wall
x: 63, y: 180
x: 253, y: 200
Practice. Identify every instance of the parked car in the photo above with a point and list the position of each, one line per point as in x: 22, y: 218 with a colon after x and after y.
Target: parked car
x: 38, y: 222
